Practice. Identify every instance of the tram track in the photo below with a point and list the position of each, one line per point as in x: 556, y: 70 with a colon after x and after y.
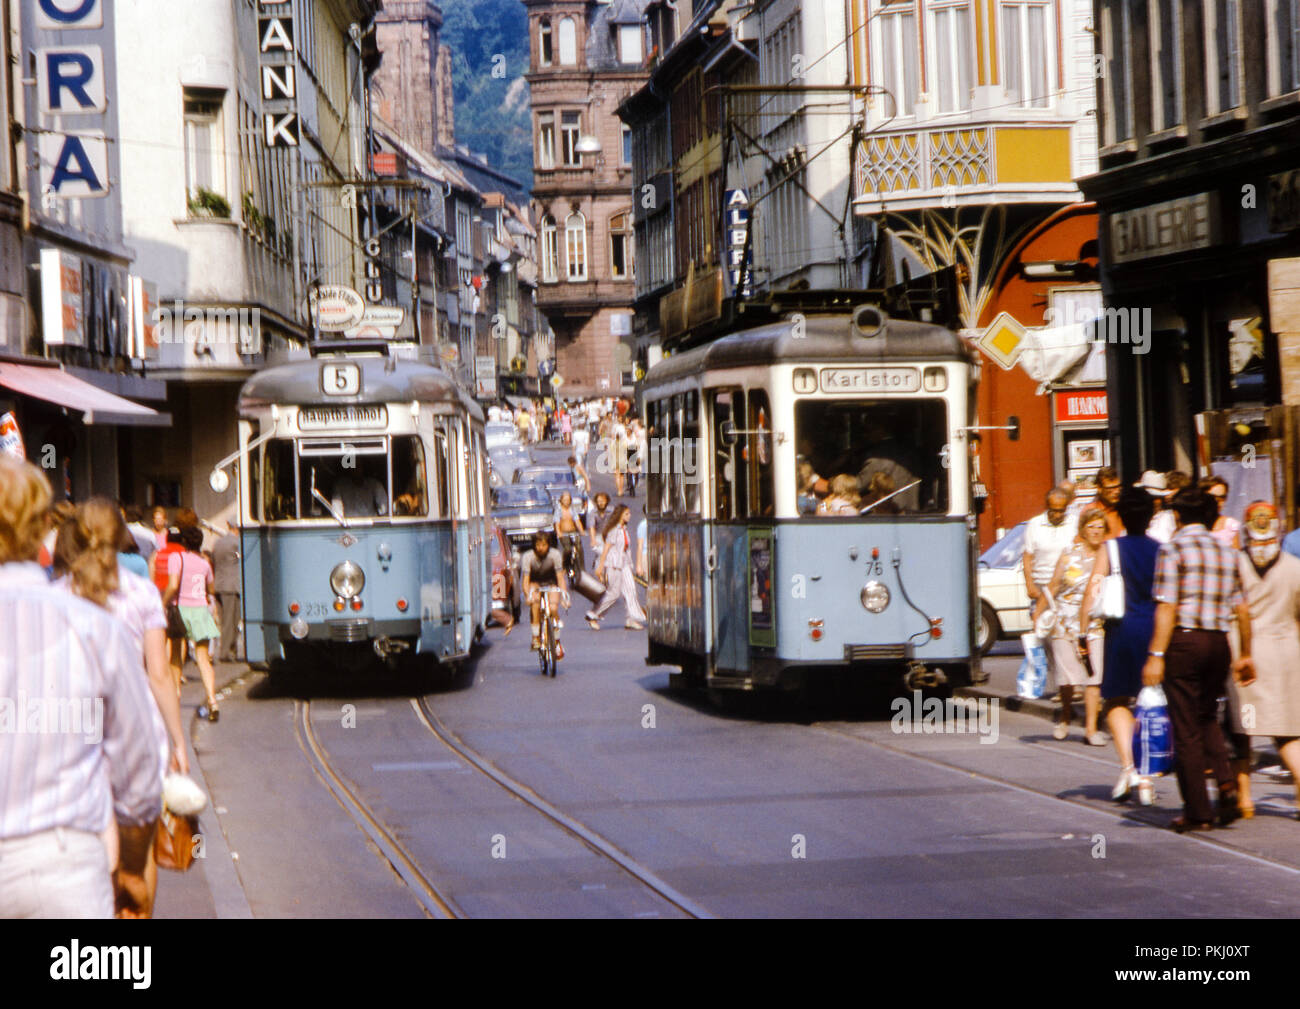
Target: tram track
x: 588, y: 837
x: 435, y: 903
x: 1131, y: 816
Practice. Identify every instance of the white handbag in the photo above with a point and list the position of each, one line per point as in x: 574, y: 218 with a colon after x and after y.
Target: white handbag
x: 1110, y: 600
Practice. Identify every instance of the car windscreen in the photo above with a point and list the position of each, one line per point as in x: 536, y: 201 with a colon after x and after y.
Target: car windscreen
x: 1006, y: 552
x: 522, y: 496
x: 546, y: 476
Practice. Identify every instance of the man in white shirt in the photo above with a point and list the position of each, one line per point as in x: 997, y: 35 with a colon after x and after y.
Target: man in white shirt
x: 1046, y: 539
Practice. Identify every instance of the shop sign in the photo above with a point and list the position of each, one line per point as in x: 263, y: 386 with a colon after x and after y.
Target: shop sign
x: 62, y: 299
x: 71, y: 81
x: 1162, y: 229
x: 1081, y: 405
x: 277, y: 65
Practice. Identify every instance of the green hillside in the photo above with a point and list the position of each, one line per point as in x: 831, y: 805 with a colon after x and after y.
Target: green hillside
x: 491, y: 112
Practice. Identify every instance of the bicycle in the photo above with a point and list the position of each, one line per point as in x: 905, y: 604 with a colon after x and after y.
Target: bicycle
x: 549, y: 651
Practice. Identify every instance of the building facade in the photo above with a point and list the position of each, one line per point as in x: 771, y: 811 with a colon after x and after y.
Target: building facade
x: 1200, y: 237
x: 585, y: 58
x: 238, y: 138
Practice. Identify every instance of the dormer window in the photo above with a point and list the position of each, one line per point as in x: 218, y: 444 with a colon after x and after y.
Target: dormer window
x: 629, y: 44
x: 545, y: 48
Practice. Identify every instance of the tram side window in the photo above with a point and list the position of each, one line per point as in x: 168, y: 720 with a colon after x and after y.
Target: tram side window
x: 761, y: 500
x: 730, y: 471
x: 655, y: 464
x: 888, y: 455
x: 676, y: 496
x: 691, y: 455
x: 255, y: 465
x: 279, y: 488
x: 410, y: 480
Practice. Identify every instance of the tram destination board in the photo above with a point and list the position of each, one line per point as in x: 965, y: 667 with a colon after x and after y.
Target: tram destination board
x: 870, y: 380
x: 325, y: 418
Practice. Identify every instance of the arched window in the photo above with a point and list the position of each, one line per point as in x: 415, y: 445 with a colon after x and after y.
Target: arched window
x: 575, y: 246
x: 568, y: 42
x: 620, y: 246
x: 545, y: 52
x: 550, y: 250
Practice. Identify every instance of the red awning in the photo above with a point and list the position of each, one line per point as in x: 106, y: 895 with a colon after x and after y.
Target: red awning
x: 98, y: 406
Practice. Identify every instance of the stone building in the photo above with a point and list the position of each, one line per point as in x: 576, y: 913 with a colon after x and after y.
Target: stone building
x: 415, y: 76
x: 585, y: 59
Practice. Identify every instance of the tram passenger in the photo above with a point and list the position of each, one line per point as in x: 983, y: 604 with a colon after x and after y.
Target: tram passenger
x: 880, y: 494
x: 894, y: 460
x: 543, y: 569
x: 806, y: 489
x: 843, y: 498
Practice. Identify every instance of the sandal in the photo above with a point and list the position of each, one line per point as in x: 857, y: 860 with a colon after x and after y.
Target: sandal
x: 509, y: 627
x: 1183, y: 826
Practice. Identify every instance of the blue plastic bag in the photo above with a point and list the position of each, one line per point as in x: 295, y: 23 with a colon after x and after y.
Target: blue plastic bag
x: 1153, y: 736
x: 1031, y: 680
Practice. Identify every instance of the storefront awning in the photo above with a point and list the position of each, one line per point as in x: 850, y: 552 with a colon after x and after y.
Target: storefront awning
x: 98, y: 406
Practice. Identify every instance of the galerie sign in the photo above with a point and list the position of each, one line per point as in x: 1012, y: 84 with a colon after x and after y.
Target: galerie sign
x: 1162, y: 229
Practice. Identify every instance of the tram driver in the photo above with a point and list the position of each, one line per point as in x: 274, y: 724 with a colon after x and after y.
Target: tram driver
x: 358, y: 496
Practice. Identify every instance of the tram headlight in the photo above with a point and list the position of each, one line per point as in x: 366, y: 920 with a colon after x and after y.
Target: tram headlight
x: 298, y: 628
x: 347, y: 580
x: 875, y: 597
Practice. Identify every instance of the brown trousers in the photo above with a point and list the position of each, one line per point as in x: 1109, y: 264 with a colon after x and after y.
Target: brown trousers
x: 1196, y: 674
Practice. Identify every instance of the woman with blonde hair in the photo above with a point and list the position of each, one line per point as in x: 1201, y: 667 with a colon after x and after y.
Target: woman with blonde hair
x: 87, y: 565
x: 843, y: 498
x: 1077, y: 636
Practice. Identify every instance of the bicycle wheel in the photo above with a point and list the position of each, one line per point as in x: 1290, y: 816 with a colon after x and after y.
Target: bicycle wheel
x: 551, y: 635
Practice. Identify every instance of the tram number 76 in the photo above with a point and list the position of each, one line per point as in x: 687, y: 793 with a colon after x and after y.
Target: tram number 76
x: 875, y: 567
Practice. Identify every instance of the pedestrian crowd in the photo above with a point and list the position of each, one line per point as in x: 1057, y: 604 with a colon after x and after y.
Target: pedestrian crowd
x: 90, y: 720
x: 1210, y: 613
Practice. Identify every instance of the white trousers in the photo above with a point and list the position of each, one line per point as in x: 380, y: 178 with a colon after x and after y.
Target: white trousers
x: 621, y: 583
x: 55, y: 874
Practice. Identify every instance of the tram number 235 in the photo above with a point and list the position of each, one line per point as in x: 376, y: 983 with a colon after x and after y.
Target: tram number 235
x: 340, y: 379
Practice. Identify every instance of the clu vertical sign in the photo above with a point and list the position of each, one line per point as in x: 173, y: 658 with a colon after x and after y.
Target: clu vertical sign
x: 277, y: 63
x: 70, y: 81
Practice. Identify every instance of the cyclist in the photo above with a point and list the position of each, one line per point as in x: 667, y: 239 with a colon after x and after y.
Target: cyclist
x: 543, y: 569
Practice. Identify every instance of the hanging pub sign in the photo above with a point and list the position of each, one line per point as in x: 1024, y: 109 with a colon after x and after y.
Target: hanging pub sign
x: 277, y: 63
x: 70, y: 82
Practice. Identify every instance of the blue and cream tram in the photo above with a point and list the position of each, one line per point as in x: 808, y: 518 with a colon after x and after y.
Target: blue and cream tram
x: 749, y: 586
x: 362, y: 503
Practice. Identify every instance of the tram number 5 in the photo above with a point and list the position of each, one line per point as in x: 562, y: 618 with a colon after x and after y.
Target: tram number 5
x: 340, y: 379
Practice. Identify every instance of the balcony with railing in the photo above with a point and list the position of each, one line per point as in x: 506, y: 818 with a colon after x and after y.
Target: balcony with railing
x: 966, y: 163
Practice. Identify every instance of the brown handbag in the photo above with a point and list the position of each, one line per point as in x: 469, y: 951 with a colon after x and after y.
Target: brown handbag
x: 173, y: 845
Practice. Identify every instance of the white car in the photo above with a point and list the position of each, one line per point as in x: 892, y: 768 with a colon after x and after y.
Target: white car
x: 1004, y: 600
x: 498, y: 433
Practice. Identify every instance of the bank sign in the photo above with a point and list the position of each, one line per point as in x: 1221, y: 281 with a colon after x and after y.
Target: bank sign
x: 277, y: 56
x: 71, y: 85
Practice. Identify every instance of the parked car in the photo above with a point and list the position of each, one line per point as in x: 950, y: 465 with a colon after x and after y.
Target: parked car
x: 499, y: 432
x: 521, y: 509
x: 503, y: 564
x: 506, y: 460
x: 1004, y: 599
x: 555, y: 479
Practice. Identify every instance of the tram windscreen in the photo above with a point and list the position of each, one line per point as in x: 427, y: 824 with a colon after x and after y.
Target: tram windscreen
x: 350, y: 479
x: 887, y: 457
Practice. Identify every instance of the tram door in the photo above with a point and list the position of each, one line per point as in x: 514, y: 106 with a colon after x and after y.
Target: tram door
x: 463, y: 535
x: 728, y: 543
x: 478, y: 531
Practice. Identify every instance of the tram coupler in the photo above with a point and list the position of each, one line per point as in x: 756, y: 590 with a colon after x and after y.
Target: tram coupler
x: 386, y: 648
x: 919, y: 677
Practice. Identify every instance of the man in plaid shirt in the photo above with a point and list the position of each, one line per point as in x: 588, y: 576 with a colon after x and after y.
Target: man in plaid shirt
x: 1198, y: 590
